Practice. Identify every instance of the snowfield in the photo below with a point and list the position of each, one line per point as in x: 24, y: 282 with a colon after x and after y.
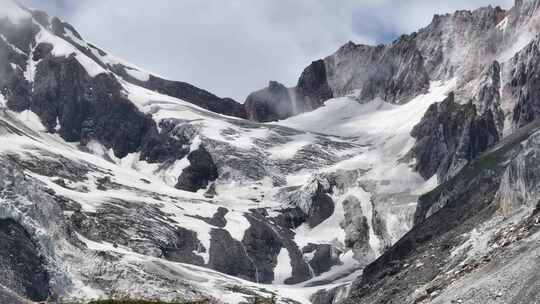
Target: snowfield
x: 357, y: 145
x: 290, y: 210
x: 379, y: 131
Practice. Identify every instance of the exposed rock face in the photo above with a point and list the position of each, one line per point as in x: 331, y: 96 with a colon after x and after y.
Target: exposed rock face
x: 20, y: 34
x: 270, y: 104
x: 13, y: 85
x: 297, y: 203
x: 488, y: 98
x: 300, y: 269
x: 277, y: 102
x: 229, y: 256
x: 262, y: 244
x: 184, y: 249
x: 449, y: 136
x: 356, y: 226
x: 524, y: 84
x: 21, y: 265
x: 199, y: 173
x: 322, y: 207
x: 324, y: 257
x: 458, y: 45
x: 312, y: 203
x: 8, y: 296
x: 291, y: 218
x: 80, y: 107
x: 178, y: 89
x: 445, y: 41
x: 87, y: 108
x: 433, y: 254
x: 312, y: 89
x: 334, y: 295
x: 172, y: 142
x: 394, y: 72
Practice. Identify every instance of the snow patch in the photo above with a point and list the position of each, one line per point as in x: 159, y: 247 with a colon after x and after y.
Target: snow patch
x: 503, y: 25
x: 344, y: 273
x: 327, y: 232
x: 428, y: 186
x: 237, y: 224
x: 283, y: 269
x: 96, y: 148
x: 30, y: 119
x: 289, y: 149
x: 139, y: 75
x: 30, y: 72
x: 348, y: 117
x: 62, y: 48
x: 2, y: 101
x: 168, y: 174
x: 211, y: 125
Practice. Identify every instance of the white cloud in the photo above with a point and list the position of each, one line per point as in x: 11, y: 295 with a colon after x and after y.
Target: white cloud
x: 234, y: 47
x: 10, y: 10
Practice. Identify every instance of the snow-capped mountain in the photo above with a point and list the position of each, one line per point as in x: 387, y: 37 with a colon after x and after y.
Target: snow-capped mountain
x: 399, y: 173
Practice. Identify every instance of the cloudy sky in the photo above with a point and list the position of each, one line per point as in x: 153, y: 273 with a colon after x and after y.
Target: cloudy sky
x: 233, y: 47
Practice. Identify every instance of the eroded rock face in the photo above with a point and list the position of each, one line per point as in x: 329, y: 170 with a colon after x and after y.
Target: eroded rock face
x: 449, y: 136
x: 21, y: 264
